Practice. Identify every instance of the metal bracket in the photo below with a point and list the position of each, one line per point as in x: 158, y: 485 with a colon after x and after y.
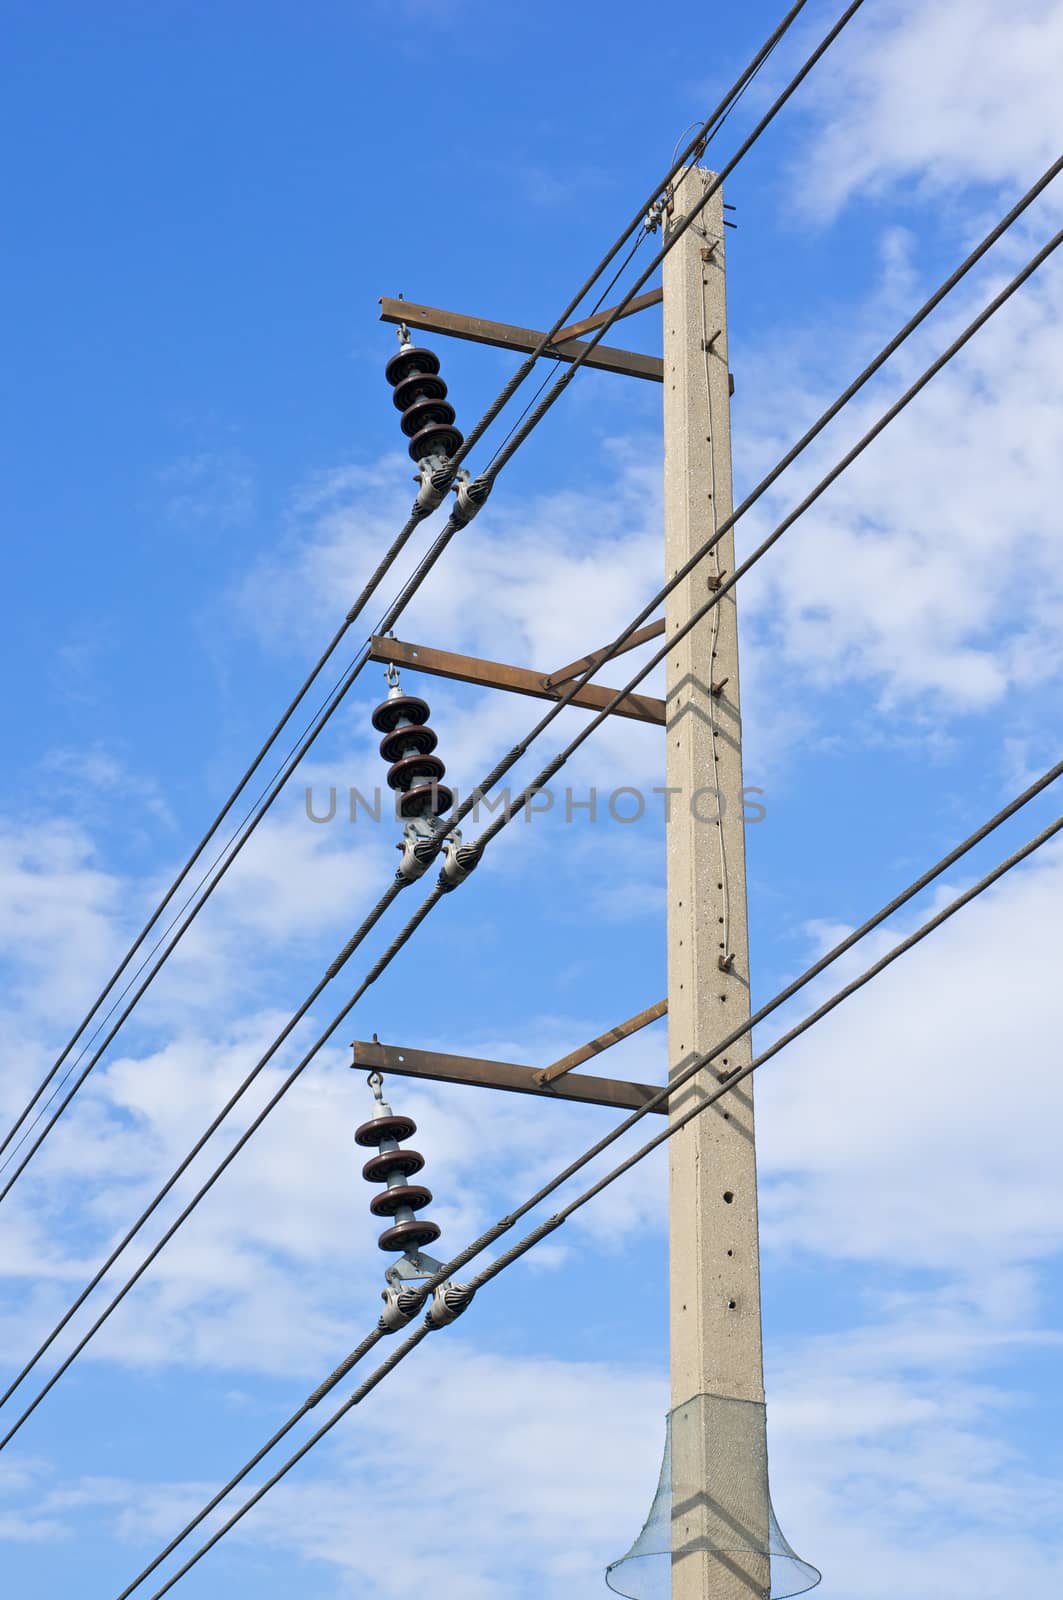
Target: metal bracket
x: 413, y: 1265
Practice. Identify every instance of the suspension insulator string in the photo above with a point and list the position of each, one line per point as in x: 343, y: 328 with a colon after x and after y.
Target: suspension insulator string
x: 408, y: 745
x: 420, y: 394
x: 394, y: 1165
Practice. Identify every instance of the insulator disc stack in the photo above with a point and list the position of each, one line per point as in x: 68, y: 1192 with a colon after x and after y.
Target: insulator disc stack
x: 421, y: 395
x: 394, y: 1166
x: 409, y: 745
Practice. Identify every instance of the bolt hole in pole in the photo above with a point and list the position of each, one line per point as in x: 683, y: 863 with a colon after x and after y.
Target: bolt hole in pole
x: 728, y: 1197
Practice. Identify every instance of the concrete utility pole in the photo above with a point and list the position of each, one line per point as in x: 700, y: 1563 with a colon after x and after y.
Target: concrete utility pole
x: 714, y: 1242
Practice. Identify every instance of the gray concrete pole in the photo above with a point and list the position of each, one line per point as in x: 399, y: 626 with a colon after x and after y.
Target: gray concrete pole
x: 719, y: 1451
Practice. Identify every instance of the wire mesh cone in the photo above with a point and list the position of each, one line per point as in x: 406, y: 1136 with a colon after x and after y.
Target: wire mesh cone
x: 712, y: 1507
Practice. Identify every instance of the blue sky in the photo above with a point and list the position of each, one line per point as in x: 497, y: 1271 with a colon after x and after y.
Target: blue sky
x: 201, y: 462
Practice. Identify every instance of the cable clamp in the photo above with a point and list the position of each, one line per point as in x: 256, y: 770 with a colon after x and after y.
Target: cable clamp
x: 652, y: 220
x: 436, y: 478
x: 448, y: 1303
x: 471, y: 495
x: 400, y: 1307
x: 419, y: 849
x: 458, y: 861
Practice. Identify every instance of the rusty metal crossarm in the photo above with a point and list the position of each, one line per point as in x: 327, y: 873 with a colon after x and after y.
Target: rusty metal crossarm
x: 519, y: 680
x: 480, y: 1073
x: 507, y: 336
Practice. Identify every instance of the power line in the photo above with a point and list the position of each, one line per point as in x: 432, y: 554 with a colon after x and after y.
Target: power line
x: 712, y: 123
x: 547, y: 772
x: 554, y: 766
x: 230, y: 1155
x: 551, y: 1224
x: 498, y: 1229
x: 786, y: 461
x: 677, y: 231
x: 136, y: 974
x: 715, y: 120
x: 556, y: 362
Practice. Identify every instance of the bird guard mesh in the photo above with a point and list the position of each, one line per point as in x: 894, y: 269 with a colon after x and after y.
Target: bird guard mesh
x: 712, y: 1508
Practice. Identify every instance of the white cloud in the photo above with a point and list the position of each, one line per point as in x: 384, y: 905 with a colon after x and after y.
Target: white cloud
x: 930, y: 96
x: 917, y: 1124
x: 899, y: 579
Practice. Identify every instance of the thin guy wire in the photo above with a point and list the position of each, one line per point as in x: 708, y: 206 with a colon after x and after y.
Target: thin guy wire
x: 559, y: 761
x: 553, y: 1223
x: 556, y: 362
x: 495, y: 1232
x: 718, y: 116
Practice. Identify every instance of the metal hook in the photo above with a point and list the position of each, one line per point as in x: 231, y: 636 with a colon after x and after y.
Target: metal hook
x: 391, y: 675
x: 375, y: 1080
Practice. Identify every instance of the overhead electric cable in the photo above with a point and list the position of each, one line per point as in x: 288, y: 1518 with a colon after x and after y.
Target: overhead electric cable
x: 6, y: 1162
x: 556, y: 362
x: 717, y: 595
x: 695, y: 148
x: 551, y: 1224
x: 553, y: 766
x: 716, y: 119
x: 506, y: 1223
x: 676, y: 232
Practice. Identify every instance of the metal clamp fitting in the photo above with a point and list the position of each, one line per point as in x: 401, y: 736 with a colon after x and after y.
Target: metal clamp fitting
x: 419, y: 849
x: 471, y: 495
x: 436, y: 478
x: 448, y: 1303
x: 458, y: 861
x: 400, y: 1307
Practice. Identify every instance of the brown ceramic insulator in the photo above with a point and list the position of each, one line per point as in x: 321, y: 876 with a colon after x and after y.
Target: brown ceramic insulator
x: 380, y: 1128
x: 409, y: 1235
x: 430, y: 801
x: 414, y: 1195
x: 422, y: 386
x: 414, y: 770
x: 408, y: 361
x: 389, y: 712
x: 438, y: 439
x: 380, y: 1167
x: 426, y: 414
x: 408, y: 741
